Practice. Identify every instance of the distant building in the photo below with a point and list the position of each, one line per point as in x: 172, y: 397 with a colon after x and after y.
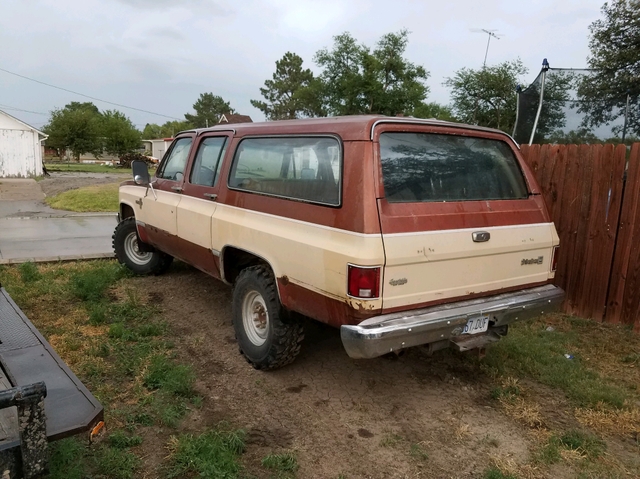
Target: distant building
x: 157, y: 147
x: 235, y: 118
x: 20, y: 148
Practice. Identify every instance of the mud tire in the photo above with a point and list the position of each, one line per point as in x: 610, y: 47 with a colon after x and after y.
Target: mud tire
x: 282, y: 335
x: 125, y: 245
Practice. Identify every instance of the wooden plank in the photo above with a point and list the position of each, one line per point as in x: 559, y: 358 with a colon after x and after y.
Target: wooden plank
x: 613, y: 166
x: 625, y: 238
x: 549, y: 179
x: 585, y: 170
x: 567, y: 227
x: 9, y: 432
x: 631, y: 303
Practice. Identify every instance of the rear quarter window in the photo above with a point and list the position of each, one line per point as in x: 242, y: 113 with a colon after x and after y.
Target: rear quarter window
x: 423, y: 167
x: 300, y: 168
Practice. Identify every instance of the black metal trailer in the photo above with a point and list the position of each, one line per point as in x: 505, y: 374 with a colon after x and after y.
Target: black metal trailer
x: 41, y: 400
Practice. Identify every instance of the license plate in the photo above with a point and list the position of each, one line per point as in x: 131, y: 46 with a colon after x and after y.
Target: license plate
x: 477, y: 324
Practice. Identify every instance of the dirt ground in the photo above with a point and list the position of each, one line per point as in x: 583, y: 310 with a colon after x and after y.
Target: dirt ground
x: 60, y: 182
x: 408, y: 417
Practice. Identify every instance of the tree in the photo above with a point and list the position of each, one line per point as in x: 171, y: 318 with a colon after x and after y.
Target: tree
x: 487, y: 96
x: 434, y: 110
x: 615, y: 57
x: 286, y: 94
x: 209, y: 108
x: 355, y: 80
x: 76, y: 127
x: 118, y: 133
x: 168, y: 130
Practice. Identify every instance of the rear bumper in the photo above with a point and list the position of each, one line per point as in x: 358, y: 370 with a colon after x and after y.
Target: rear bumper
x: 392, y: 332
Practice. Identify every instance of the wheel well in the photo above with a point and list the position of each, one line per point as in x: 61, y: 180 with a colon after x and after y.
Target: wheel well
x: 235, y: 260
x: 126, y: 211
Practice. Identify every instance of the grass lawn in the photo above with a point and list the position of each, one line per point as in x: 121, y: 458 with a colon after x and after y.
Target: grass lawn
x: 88, y: 199
x: 84, y: 167
x: 580, y: 415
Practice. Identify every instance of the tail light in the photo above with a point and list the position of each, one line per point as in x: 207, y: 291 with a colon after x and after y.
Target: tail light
x: 554, y: 259
x: 364, y: 281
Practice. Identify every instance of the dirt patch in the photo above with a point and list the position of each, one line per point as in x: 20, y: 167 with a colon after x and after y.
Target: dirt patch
x: 338, y: 415
x: 60, y: 182
x: 20, y: 190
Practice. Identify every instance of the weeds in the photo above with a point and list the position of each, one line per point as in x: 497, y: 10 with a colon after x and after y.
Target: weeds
x: 212, y: 454
x: 284, y: 466
x: 586, y: 446
x: 172, y: 378
x: 495, y: 473
x: 530, y: 350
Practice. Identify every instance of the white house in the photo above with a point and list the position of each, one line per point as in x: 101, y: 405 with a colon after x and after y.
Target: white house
x: 20, y: 148
x: 157, y: 147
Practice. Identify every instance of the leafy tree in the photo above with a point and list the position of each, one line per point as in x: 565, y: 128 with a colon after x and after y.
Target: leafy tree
x: 119, y: 134
x: 168, y: 130
x: 434, y: 110
x: 355, y: 80
x: 76, y: 127
x: 287, y: 96
x: 487, y: 96
x: 615, y: 56
x: 209, y: 108
x: 573, y: 137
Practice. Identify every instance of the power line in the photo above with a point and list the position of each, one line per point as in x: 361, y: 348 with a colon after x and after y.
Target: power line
x: 9, y: 107
x: 88, y: 96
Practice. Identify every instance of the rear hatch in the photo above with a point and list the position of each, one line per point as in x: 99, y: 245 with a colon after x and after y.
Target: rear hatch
x: 460, y: 216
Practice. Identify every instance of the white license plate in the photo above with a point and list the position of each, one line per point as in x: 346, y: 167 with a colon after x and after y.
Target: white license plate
x: 477, y: 324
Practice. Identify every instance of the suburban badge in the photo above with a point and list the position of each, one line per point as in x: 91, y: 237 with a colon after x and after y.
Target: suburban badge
x: 537, y: 260
x: 398, y: 282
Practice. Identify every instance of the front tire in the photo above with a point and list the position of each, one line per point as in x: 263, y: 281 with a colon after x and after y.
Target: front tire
x: 126, y: 247
x: 267, y: 335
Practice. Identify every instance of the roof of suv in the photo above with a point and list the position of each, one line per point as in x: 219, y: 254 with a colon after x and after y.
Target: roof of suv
x: 350, y: 128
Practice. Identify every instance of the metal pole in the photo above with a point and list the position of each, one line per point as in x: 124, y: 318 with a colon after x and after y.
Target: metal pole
x: 545, y: 67
x: 626, y: 116
x: 484, y: 64
x: 515, y: 125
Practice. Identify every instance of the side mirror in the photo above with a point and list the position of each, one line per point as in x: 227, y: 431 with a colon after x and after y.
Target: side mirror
x: 140, y: 172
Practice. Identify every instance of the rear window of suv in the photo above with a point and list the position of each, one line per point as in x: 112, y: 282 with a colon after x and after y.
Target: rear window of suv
x: 422, y: 167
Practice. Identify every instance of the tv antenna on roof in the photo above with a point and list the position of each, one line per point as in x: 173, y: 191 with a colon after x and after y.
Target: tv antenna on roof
x: 491, y: 33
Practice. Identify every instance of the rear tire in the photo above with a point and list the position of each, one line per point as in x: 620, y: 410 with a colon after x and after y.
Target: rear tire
x: 125, y: 245
x: 267, y: 335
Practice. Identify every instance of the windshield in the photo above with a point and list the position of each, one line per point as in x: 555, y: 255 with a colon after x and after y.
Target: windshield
x: 421, y: 167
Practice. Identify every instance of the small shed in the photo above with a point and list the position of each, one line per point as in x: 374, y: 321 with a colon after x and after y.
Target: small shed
x: 235, y: 118
x: 20, y: 148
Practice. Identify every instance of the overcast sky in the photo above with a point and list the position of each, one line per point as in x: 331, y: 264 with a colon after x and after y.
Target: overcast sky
x: 159, y: 55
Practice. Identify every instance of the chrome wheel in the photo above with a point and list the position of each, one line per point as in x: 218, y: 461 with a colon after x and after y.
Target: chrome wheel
x: 133, y: 252
x: 255, y: 318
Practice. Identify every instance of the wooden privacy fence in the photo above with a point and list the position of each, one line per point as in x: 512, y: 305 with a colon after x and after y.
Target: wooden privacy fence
x: 593, y: 197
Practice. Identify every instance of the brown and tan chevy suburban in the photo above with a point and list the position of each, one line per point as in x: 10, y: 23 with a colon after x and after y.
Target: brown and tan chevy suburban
x: 401, y: 232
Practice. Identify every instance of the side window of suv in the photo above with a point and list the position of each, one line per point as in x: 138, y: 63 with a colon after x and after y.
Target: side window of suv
x: 301, y: 168
x: 173, y: 166
x: 208, y: 161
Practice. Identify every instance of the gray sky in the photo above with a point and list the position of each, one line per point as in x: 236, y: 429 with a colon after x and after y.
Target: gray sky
x: 159, y: 55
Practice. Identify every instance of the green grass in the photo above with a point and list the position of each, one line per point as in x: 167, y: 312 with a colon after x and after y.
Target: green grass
x: 282, y: 466
x: 495, y: 473
x: 111, y: 339
x: 531, y: 351
x: 212, y: 454
x: 586, y: 444
x: 84, y: 167
x: 97, y: 198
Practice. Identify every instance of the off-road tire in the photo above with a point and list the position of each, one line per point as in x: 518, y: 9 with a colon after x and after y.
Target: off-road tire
x: 125, y: 245
x: 283, y: 333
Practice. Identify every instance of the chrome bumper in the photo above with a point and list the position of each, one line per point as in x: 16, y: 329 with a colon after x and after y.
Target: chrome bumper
x: 392, y: 332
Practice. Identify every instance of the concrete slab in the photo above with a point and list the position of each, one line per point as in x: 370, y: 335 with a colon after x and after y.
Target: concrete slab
x: 55, y: 239
x: 20, y: 190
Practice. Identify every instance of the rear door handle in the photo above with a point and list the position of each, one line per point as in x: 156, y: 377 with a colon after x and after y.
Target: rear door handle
x: 211, y: 196
x: 177, y: 189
